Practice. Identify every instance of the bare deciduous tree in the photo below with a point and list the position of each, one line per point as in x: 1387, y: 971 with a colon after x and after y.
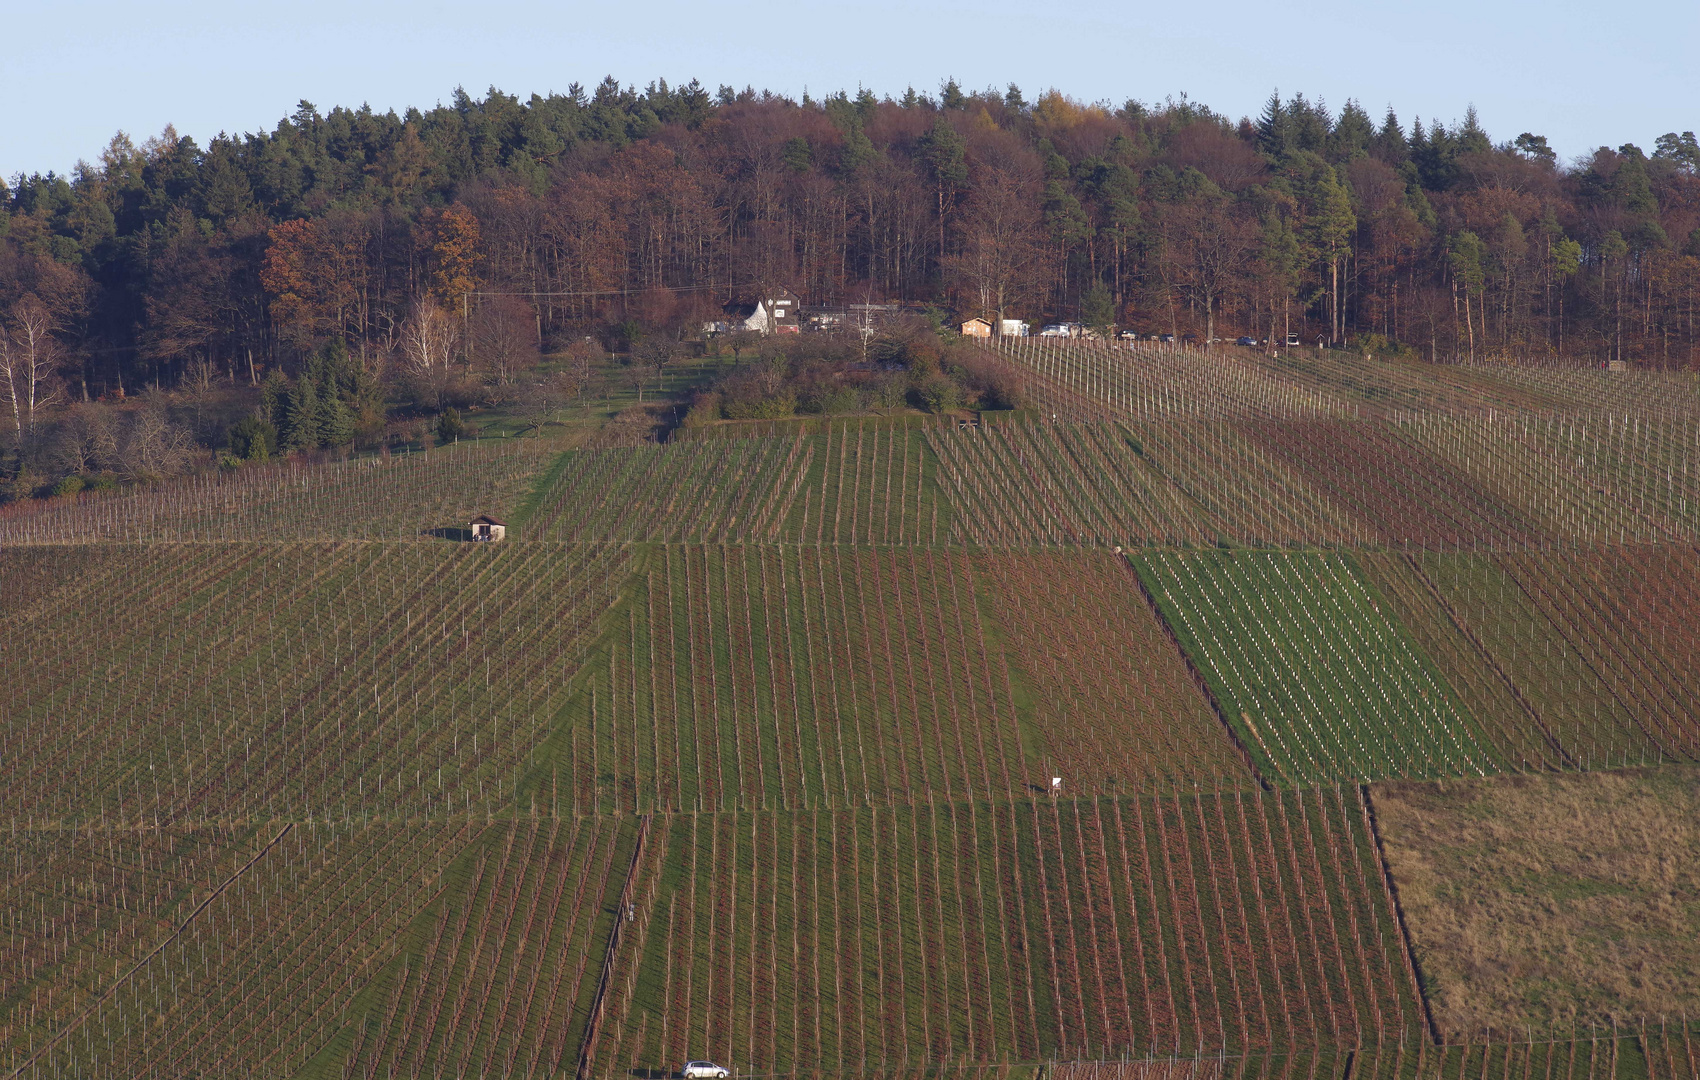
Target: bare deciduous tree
x: 87, y: 440
x: 581, y: 355
x: 428, y: 339
x: 999, y: 243
x: 504, y: 338
x: 1207, y: 240
x: 30, y: 357
x: 539, y: 398
x: 640, y: 371
x: 153, y: 446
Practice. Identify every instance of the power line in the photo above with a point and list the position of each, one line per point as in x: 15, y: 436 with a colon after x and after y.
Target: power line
x: 615, y: 292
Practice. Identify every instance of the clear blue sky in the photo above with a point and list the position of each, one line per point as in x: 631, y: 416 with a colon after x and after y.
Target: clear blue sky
x: 1583, y: 74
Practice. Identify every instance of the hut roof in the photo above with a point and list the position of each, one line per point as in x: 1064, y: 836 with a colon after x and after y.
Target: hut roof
x: 486, y: 519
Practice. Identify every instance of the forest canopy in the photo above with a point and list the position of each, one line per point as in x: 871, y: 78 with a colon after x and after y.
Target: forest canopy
x: 517, y: 227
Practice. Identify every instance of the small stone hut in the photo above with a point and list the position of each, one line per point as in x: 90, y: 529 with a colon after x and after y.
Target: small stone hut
x: 485, y: 527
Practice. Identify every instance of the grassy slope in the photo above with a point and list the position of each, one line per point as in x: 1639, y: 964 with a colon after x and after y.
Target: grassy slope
x: 1550, y: 900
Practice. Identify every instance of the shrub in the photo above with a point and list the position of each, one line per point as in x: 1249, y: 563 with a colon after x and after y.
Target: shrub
x: 1379, y: 345
x: 1098, y: 308
x: 449, y: 426
x: 252, y: 439
x: 704, y: 410
x: 940, y: 395
x: 69, y: 485
x: 888, y: 390
x: 777, y: 407
x: 832, y: 400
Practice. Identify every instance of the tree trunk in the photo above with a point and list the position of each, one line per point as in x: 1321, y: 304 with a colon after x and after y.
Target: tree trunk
x: 1469, y: 324
x: 1334, y: 299
x: 941, y: 224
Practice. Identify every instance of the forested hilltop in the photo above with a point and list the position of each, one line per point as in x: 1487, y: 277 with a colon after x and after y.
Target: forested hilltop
x: 614, y: 213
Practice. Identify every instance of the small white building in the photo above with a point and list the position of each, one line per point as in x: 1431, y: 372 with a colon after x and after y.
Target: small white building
x: 1013, y: 328
x: 778, y: 313
x: 487, y: 528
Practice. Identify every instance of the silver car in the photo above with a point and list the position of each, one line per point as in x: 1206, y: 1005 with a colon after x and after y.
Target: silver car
x: 703, y: 1070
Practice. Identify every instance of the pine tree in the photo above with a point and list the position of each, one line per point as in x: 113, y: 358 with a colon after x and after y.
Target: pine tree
x: 1466, y: 255
x: 1330, y: 228
x: 1390, y: 144
x: 1284, y: 257
x: 1308, y: 125
x: 796, y: 155
x: 1273, y: 132
x: 301, y: 429
x: 946, y: 155
x: 274, y: 399
x: 1352, y: 135
x: 1471, y: 138
x: 1631, y: 188
x: 857, y: 152
x: 1682, y: 149
x: 1535, y: 148
x: 866, y: 104
x: 337, y: 421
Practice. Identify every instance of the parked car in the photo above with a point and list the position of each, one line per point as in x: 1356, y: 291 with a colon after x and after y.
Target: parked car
x: 1054, y: 330
x: 703, y: 1070
x: 1243, y: 340
x: 1167, y: 339
x: 1292, y: 341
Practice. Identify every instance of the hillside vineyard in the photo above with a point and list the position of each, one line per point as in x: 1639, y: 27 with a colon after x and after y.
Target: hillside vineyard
x: 882, y: 746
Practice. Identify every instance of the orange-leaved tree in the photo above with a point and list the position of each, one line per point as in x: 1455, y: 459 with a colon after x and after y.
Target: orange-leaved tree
x: 454, y: 257
x: 313, y: 271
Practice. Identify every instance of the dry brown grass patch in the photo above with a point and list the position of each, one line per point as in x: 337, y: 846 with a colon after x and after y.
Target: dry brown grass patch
x: 1550, y: 900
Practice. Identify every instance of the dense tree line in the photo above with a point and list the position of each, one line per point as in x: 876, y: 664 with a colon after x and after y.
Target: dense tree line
x: 487, y: 229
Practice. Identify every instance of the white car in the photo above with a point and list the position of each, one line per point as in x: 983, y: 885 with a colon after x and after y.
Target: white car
x: 703, y: 1070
